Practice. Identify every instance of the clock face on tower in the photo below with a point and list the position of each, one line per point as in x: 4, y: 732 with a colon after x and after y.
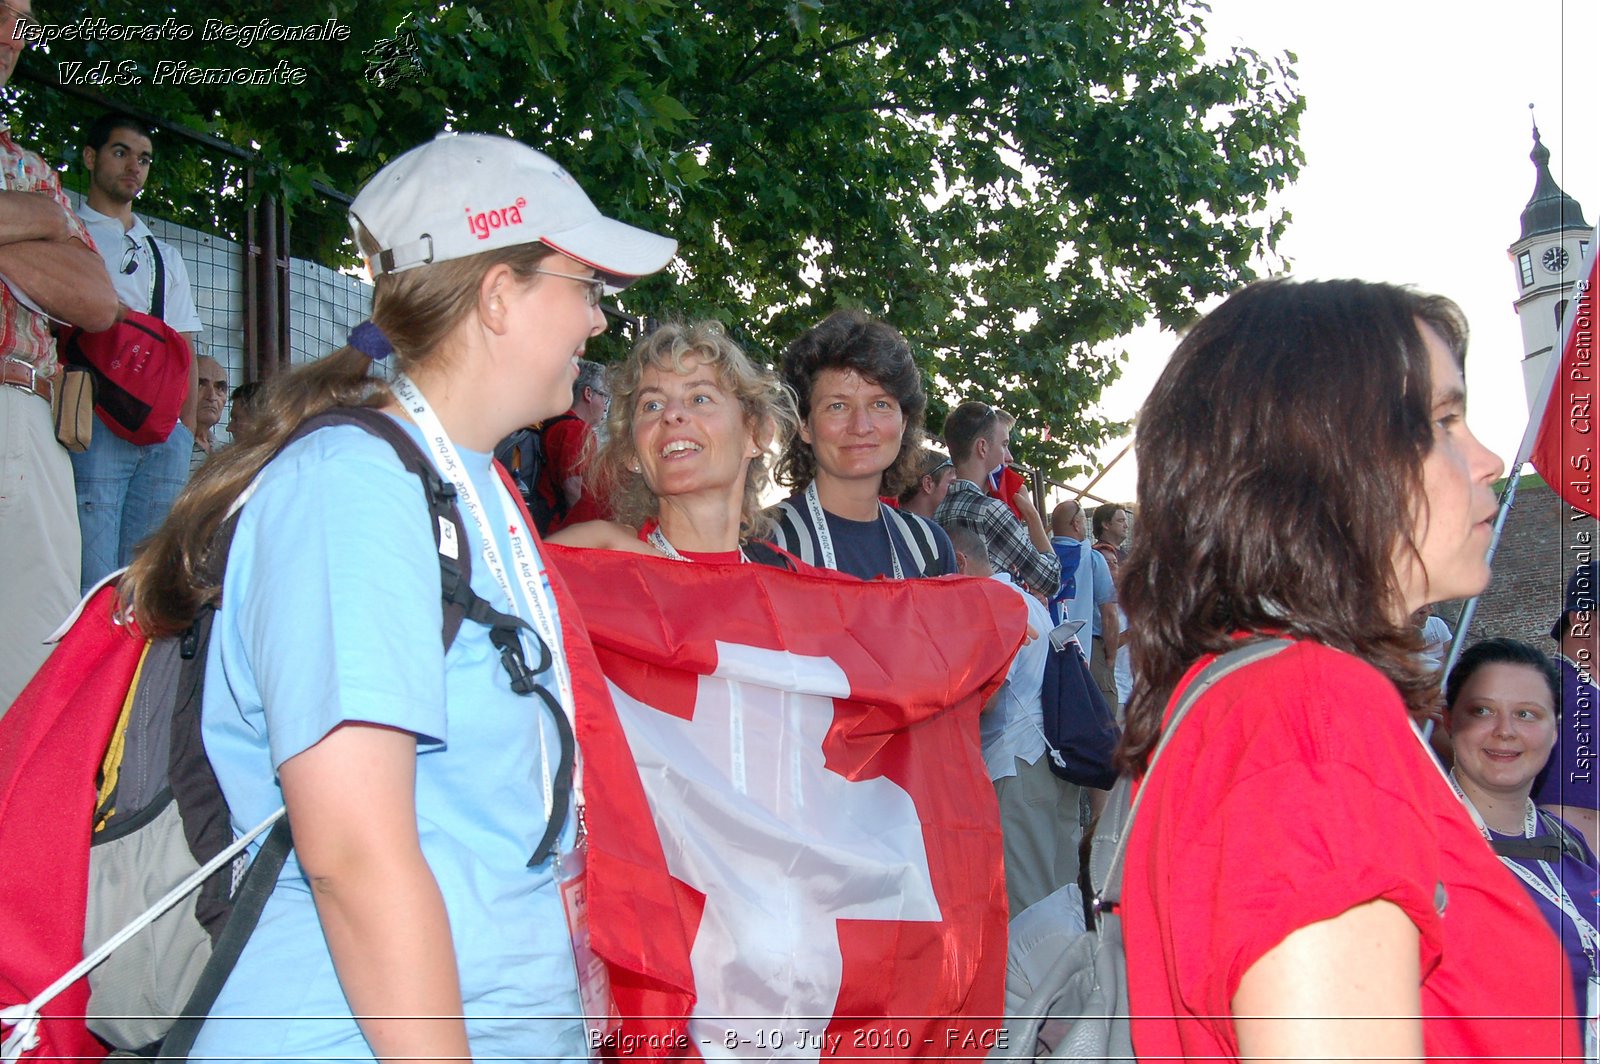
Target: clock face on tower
x: 1555, y: 259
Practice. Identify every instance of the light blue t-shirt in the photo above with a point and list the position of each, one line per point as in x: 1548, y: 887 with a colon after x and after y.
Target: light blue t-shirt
x: 332, y: 613
x: 1094, y: 590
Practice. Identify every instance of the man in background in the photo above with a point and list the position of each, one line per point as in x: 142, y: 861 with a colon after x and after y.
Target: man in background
x: 1005, y: 483
x: 976, y: 439
x: 567, y: 444
x: 1110, y: 532
x: 124, y: 489
x: 1038, y: 809
x: 1091, y: 596
x: 933, y: 483
x: 208, y: 413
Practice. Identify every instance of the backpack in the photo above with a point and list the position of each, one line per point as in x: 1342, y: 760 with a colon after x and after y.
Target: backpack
x: 524, y: 457
x: 1079, y: 730
x: 141, y: 374
x: 101, y: 854
x: 1558, y: 841
x: 1079, y: 1009
x: 140, y: 366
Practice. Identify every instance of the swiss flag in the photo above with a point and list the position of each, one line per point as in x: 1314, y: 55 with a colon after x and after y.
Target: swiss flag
x: 1564, y: 450
x: 794, y: 847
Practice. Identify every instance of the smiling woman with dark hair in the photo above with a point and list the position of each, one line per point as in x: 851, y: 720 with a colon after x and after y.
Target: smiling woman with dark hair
x: 1504, y: 700
x: 861, y: 403
x: 1304, y: 884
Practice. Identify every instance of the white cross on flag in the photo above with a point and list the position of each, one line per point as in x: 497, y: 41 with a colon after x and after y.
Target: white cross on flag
x: 794, y: 847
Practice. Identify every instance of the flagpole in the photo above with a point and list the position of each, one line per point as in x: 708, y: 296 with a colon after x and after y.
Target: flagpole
x: 1541, y: 403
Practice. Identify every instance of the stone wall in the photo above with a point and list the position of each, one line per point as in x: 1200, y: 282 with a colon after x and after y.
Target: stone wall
x: 1543, y: 541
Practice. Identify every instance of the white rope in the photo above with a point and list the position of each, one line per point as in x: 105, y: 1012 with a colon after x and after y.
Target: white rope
x: 25, y: 1018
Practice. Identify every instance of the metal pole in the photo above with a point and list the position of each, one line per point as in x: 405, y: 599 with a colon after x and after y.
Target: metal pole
x: 1106, y: 469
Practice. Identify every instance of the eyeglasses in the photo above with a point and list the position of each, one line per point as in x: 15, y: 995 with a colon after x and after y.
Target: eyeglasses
x: 940, y: 468
x: 130, y: 256
x: 10, y: 16
x: 597, y: 286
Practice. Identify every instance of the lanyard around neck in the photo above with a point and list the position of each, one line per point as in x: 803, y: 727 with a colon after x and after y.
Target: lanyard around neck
x: 658, y: 540
x: 819, y: 519
x: 526, y: 563
x: 1550, y: 888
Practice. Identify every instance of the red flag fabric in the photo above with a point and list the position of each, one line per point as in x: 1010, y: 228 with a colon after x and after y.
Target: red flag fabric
x: 51, y: 744
x: 794, y: 847
x: 1564, y: 450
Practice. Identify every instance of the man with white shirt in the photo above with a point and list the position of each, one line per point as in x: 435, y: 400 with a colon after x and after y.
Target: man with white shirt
x: 1038, y: 810
x: 125, y: 490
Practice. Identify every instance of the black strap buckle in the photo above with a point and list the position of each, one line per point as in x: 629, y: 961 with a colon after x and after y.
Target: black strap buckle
x: 522, y: 678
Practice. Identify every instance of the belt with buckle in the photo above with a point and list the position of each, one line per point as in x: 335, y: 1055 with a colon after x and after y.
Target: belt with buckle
x: 20, y: 374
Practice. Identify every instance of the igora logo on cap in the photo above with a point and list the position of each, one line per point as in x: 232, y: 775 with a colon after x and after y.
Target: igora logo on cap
x: 483, y: 221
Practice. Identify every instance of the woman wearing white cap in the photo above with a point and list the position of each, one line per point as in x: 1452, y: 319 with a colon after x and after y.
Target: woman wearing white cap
x: 418, y: 779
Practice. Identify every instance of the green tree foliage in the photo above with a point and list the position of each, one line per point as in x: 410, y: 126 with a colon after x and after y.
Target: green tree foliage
x: 1013, y: 183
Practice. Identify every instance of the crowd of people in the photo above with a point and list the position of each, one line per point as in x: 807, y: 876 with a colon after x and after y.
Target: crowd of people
x: 1306, y: 879
x: 75, y: 516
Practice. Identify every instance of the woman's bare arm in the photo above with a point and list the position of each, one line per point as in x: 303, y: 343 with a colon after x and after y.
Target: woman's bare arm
x: 1348, y: 988
x: 352, y: 808
x: 605, y: 535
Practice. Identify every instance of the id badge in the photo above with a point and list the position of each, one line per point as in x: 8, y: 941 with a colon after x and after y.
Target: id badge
x: 594, y: 983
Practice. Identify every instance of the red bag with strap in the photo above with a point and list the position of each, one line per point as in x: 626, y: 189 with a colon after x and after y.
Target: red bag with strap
x: 141, y: 374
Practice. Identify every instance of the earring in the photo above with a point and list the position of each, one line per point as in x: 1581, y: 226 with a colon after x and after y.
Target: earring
x: 633, y: 465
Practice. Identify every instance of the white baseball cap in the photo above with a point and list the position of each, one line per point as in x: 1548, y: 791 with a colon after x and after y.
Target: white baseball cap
x: 464, y: 193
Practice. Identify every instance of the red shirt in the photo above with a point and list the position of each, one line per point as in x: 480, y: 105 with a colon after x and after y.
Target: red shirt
x: 564, y: 441
x: 1294, y: 791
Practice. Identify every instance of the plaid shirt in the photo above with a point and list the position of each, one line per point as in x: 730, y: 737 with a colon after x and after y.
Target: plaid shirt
x: 25, y: 333
x: 1010, y: 549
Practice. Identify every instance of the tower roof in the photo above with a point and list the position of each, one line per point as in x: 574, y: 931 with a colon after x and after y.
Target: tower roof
x: 1549, y: 209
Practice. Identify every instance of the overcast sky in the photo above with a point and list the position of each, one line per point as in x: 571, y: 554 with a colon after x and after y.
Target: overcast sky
x: 1416, y: 135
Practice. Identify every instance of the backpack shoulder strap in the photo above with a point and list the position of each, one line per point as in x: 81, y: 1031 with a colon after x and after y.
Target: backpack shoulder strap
x: 1570, y: 846
x: 1117, y: 822
x: 254, y: 890
x: 449, y: 534
x: 916, y: 536
x: 158, y: 282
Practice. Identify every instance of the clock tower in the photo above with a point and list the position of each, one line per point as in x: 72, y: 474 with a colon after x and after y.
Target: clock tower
x: 1546, y: 260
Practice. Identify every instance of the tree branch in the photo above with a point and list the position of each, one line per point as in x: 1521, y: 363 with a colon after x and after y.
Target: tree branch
x: 809, y: 57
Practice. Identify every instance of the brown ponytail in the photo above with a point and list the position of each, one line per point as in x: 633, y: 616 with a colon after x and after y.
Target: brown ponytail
x: 172, y: 577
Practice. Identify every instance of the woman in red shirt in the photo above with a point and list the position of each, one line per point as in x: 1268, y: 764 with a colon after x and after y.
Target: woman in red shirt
x: 1301, y: 881
x: 686, y: 457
